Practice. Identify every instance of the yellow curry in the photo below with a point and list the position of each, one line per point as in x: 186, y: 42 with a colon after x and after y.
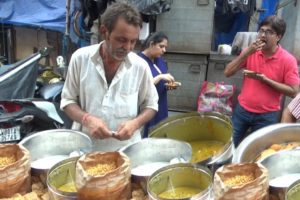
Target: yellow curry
x: 68, y: 187
x: 180, y: 193
x: 204, y: 149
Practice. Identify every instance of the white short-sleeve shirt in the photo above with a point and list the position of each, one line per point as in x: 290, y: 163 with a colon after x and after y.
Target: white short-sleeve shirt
x: 130, y: 91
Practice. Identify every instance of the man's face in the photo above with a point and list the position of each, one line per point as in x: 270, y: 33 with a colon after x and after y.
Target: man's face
x: 121, y: 40
x: 269, y: 36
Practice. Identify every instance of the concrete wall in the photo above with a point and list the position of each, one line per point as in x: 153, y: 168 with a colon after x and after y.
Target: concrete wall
x: 29, y: 39
x: 291, y: 40
x: 191, y: 71
x: 189, y: 26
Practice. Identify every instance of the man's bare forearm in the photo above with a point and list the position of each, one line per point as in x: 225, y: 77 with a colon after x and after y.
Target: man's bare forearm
x: 232, y: 67
x: 287, y: 90
x: 146, y: 115
x: 74, y: 112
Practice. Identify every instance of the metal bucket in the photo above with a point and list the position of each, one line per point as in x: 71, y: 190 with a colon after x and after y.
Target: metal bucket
x: 293, y: 191
x: 177, y: 176
x: 197, y: 126
x: 59, y: 175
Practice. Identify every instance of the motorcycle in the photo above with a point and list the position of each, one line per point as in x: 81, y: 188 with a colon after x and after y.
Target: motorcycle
x: 22, y: 117
x: 21, y: 113
x: 18, y: 80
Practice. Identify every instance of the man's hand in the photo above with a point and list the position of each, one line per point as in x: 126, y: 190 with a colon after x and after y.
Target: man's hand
x: 255, y: 75
x: 126, y: 130
x: 257, y: 45
x: 97, y: 128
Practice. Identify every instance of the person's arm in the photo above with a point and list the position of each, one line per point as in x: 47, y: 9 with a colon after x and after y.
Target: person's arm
x: 74, y: 112
x: 233, y: 66
x: 127, y: 129
x: 292, y: 112
x: 167, y: 77
x: 287, y: 116
x: 288, y: 90
x: 97, y: 128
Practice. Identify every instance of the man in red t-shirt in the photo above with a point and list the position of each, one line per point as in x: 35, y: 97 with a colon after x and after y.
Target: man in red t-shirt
x: 269, y: 72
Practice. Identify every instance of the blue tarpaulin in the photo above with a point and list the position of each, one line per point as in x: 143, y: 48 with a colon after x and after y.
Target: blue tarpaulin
x: 45, y: 14
x: 269, y: 7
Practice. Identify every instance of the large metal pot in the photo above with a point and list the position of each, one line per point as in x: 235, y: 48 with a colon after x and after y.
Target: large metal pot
x: 197, y: 126
x: 284, y: 169
x: 150, y: 154
x: 52, y: 146
x: 251, y: 147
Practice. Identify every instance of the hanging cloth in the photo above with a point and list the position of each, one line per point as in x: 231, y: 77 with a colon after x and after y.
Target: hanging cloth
x: 236, y: 6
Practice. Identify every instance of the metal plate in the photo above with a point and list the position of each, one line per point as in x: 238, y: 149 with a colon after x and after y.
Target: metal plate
x: 10, y: 134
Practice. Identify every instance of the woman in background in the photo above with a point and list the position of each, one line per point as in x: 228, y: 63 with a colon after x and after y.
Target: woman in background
x: 152, y: 50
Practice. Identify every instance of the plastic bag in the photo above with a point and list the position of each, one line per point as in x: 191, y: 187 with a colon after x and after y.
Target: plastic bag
x: 152, y: 7
x: 230, y: 182
x: 15, y: 175
x: 113, y: 185
x: 216, y: 97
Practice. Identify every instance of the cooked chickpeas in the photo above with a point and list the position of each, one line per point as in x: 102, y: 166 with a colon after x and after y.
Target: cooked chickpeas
x: 239, y: 180
x: 6, y: 160
x: 102, y: 168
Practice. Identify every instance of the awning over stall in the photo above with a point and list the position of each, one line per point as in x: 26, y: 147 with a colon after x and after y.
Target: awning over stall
x: 45, y: 14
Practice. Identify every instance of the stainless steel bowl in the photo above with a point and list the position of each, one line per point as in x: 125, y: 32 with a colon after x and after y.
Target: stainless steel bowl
x: 150, y: 154
x: 284, y: 169
x: 51, y: 146
x: 251, y: 147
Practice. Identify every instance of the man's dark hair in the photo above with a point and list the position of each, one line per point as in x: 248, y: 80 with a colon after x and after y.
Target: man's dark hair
x: 276, y: 23
x: 120, y: 10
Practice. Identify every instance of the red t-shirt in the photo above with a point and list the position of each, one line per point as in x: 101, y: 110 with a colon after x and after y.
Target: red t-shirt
x: 259, y: 97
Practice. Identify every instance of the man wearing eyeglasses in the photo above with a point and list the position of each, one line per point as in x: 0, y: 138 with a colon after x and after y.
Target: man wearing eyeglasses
x: 269, y: 72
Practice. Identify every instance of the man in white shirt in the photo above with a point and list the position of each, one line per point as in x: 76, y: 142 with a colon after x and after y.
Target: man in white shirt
x: 109, y: 92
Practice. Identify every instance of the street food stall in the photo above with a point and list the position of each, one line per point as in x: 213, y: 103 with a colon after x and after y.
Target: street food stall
x: 57, y: 164
x: 188, y: 156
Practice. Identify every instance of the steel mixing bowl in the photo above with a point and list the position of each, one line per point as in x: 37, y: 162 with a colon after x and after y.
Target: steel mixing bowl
x: 150, y: 154
x: 251, y: 147
x: 284, y: 169
x: 52, y: 146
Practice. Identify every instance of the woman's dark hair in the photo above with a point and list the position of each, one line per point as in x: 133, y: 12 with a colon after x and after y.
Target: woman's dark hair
x: 154, y: 38
x: 276, y: 23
